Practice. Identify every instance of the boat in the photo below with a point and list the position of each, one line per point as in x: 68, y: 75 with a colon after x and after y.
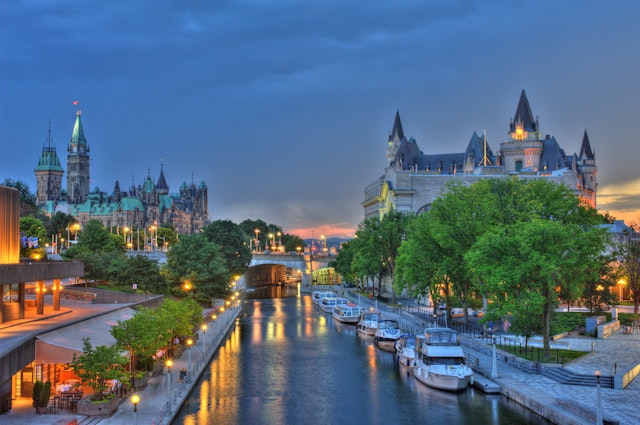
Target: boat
x: 347, y: 313
x: 368, y: 322
x: 406, y: 351
x: 387, y: 334
x: 316, y: 296
x: 328, y: 303
x: 440, y: 362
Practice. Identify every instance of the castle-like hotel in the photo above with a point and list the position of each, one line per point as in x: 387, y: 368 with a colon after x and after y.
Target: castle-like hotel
x: 139, y: 207
x: 412, y: 180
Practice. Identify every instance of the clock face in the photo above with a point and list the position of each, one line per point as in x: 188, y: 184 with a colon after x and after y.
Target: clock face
x: 74, y: 149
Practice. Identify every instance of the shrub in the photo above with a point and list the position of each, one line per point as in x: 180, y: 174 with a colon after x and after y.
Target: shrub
x: 35, y: 396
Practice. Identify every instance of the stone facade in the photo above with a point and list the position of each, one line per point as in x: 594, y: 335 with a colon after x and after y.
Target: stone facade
x: 141, y: 206
x: 412, y: 180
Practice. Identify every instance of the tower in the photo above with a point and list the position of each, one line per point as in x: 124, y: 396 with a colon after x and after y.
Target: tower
x: 78, y: 176
x: 48, y: 174
x: 523, y: 149
x: 587, y: 172
x: 395, y: 139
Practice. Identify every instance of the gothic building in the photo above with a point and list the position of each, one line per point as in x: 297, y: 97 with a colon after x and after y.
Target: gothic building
x: 142, y: 206
x: 412, y: 180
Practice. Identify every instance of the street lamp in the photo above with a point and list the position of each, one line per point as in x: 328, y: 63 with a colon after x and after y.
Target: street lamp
x: 135, y: 400
x: 189, y: 344
x: 494, y: 359
x: 599, y: 400
x: 169, y: 363
x: 204, y: 337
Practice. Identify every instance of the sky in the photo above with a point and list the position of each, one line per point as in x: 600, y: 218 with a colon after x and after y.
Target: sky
x: 283, y: 108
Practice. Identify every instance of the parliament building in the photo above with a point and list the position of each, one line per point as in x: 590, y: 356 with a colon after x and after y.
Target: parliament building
x: 142, y: 206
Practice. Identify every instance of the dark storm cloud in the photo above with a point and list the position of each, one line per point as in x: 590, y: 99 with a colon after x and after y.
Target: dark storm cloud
x: 283, y: 107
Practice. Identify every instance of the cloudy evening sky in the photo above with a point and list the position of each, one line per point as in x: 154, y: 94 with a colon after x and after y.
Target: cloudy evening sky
x: 283, y: 108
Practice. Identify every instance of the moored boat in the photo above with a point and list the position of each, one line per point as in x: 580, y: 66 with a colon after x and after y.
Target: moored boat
x: 316, y: 296
x: 440, y: 362
x: 406, y: 351
x: 387, y: 335
x: 328, y: 303
x: 368, y: 322
x: 347, y: 313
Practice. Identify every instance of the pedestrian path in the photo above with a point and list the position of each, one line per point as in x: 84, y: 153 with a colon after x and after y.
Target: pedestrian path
x: 161, y: 398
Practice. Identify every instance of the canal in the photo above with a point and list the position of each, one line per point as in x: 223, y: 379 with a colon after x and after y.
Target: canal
x: 288, y: 363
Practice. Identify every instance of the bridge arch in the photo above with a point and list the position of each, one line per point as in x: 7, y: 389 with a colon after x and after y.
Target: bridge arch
x: 269, y: 269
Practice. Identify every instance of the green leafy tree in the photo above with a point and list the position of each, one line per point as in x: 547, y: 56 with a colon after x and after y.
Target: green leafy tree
x: 32, y: 227
x: 27, y: 198
x: 167, y: 235
x: 97, y: 365
x: 96, y: 238
x: 368, y: 259
x: 142, y: 335
x: 59, y: 223
x: 628, y: 253
x: 200, y: 262
x: 232, y: 243
x: 343, y: 262
x: 524, y: 263
x: 144, y: 272
x: 180, y: 317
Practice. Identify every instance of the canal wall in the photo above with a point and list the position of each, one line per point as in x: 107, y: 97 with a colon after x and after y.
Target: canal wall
x: 201, y: 356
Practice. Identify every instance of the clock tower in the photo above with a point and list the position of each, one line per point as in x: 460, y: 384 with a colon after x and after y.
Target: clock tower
x: 78, y: 176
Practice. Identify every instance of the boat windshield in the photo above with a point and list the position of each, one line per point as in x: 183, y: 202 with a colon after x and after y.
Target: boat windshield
x: 388, y: 324
x: 448, y: 361
x: 442, y: 338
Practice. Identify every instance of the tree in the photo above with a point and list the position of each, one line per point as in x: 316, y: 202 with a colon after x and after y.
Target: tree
x: 232, y: 243
x: 343, y: 262
x: 142, y: 335
x: 368, y: 259
x: 200, y: 262
x: 98, y: 365
x: 628, y: 253
x: 96, y: 238
x: 27, y: 199
x: 125, y: 271
x: 59, y: 223
x: 391, y: 233
x: 31, y: 227
x: 524, y: 265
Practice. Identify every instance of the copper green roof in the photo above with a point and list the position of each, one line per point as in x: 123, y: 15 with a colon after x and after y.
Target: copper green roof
x: 77, y: 136
x: 131, y: 204
x: 49, y: 160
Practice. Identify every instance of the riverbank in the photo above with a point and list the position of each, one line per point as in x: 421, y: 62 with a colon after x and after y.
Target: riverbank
x: 564, y: 404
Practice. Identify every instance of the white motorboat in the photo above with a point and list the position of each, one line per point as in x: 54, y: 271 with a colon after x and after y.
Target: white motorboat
x: 316, y: 296
x: 440, y: 361
x: 347, y: 313
x: 406, y: 351
x: 368, y: 322
x: 387, y: 335
x: 328, y: 303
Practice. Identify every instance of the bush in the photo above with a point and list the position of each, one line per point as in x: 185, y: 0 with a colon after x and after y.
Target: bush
x: 35, y: 396
x: 43, y: 400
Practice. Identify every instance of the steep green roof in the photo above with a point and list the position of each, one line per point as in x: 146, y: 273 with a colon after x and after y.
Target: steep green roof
x: 77, y: 136
x: 49, y: 160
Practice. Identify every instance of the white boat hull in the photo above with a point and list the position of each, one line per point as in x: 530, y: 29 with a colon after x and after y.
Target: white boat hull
x: 386, y: 344
x: 449, y: 378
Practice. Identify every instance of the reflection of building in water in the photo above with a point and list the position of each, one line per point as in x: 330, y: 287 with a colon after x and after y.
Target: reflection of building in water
x: 140, y: 206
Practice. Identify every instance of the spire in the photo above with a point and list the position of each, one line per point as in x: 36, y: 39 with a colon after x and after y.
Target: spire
x: 162, y: 186
x: 523, y: 116
x: 397, y: 127
x: 585, y: 149
x: 77, y: 136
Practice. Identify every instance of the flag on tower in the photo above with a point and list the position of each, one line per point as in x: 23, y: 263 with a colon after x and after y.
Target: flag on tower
x: 75, y: 102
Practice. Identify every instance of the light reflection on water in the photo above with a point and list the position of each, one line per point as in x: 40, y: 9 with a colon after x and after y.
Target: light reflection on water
x: 288, y: 363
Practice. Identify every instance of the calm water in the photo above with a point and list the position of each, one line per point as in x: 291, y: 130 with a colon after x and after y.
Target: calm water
x: 289, y: 363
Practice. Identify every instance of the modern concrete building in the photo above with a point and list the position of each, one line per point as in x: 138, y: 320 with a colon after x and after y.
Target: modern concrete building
x: 17, y: 279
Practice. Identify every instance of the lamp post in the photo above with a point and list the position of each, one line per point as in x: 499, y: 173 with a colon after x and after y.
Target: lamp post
x: 494, y: 359
x: 599, y: 400
x: 189, y: 344
x: 204, y: 337
x: 257, y: 244
x: 135, y: 400
x: 169, y: 363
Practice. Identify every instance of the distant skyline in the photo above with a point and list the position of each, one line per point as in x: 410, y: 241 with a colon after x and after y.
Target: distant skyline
x: 283, y: 108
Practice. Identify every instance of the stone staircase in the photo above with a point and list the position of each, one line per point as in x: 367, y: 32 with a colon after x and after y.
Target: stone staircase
x: 566, y: 376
